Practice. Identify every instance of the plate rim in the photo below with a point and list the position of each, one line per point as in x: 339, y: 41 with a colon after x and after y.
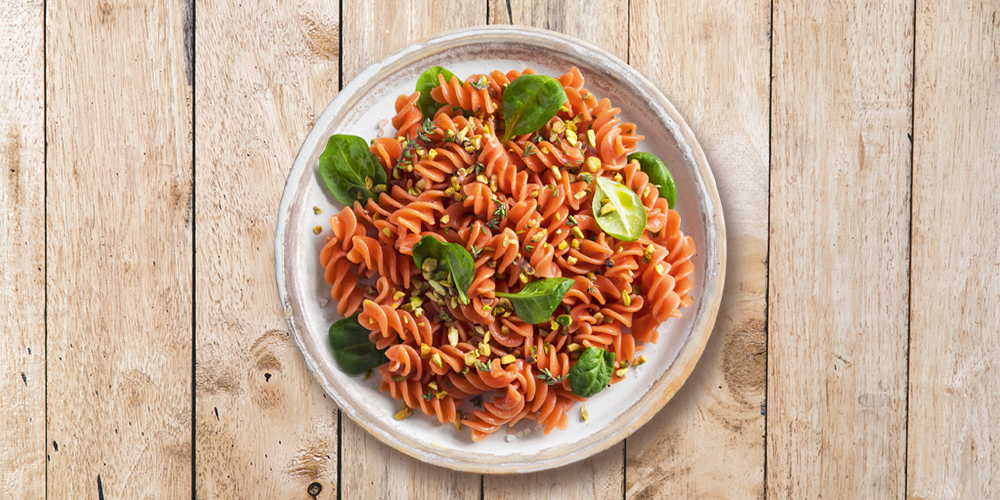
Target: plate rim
x: 658, y: 394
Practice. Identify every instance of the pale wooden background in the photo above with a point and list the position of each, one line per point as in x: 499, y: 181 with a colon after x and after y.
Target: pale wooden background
x: 145, y: 146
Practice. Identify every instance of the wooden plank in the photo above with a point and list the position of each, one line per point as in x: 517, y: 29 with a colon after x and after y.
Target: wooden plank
x: 119, y: 240
x: 841, y: 111
x: 708, y: 441
x: 372, y: 31
x: 604, y: 24
x: 954, y: 410
x: 265, y: 71
x: 22, y: 250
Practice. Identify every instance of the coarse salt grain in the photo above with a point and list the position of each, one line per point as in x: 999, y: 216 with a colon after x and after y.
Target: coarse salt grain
x: 510, y: 438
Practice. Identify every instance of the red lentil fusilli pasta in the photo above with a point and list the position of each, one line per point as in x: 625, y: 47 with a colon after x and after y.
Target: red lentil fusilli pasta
x: 523, y: 210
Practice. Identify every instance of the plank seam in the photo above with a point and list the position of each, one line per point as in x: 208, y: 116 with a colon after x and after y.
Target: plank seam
x: 909, y: 257
x: 45, y: 215
x: 194, y: 249
x: 767, y: 274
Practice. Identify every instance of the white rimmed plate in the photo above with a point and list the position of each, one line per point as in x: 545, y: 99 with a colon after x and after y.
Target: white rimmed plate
x: 614, y: 413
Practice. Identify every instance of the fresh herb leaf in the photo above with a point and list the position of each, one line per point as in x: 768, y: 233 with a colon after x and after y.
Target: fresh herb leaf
x: 480, y: 84
x: 546, y: 376
x: 588, y: 178
x: 498, y: 215
x: 571, y: 221
x: 622, y: 216
x: 427, y: 82
x: 476, y: 401
x: 536, y: 302
x: 352, y: 350
x: 592, y: 372
x: 528, y: 150
x: 529, y: 102
x: 349, y: 169
x: 659, y: 175
x: 455, y: 259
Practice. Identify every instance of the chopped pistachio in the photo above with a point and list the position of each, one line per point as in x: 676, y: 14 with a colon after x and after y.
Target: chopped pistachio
x: 317, y: 210
x: 571, y: 126
x: 484, y: 349
x: 386, y: 231
x: 433, y: 385
x: 592, y: 138
x: 571, y: 137
x: 621, y: 372
x: 617, y: 177
x: 402, y: 414
x: 575, y: 243
x: 573, y: 347
x: 418, y: 312
x: 572, y: 260
x: 607, y: 209
x: 593, y: 164
x: 559, y: 127
x: 471, y: 358
x: 318, y: 229
x: 398, y: 295
x: 429, y: 265
x: 440, y: 394
x: 640, y: 361
x: 563, y: 245
x: 577, y: 232
x: 458, y: 420
x: 659, y: 269
x: 599, y: 316
x: 425, y: 350
x: 436, y: 359
x: 581, y: 194
x: 432, y: 154
x: 508, y: 359
x: 626, y: 298
x: 452, y: 336
x: 583, y: 413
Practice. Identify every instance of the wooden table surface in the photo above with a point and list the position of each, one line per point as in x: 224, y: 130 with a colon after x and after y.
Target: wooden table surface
x: 145, y: 146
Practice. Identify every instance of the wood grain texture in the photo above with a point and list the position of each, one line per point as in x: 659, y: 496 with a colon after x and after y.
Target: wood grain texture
x: 265, y: 71
x: 22, y: 250
x: 954, y: 405
x: 841, y: 111
x: 372, y: 31
x: 604, y: 24
x: 708, y: 441
x: 119, y: 250
x: 601, y: 23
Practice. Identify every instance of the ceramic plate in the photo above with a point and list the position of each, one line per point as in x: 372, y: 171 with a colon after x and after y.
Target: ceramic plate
x: 614, y: 413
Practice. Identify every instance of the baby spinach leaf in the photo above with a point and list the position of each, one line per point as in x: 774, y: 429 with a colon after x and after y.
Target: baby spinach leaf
x: 529, y: 102
x: 592, y: 372
x: 618, y: 210
x: 427, y: 82
x: 349, y: 169
x: 355, y: 354
x: 658, y: 174
x: 536, y: 302
x: 454, y: 259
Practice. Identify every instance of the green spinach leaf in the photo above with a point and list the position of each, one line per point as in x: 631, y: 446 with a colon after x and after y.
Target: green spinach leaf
x: 592, y: 372
x: 618, y: 210
x: 536, y: 302
x: 350, y: 170
x: 529, y: 102
x: 354, y: 353
x: 451, y: 260
x: 658, y: 174
x: 427, y: 82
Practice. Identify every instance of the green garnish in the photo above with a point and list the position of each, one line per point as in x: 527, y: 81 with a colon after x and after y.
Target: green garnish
x: 659, y: 175
x: 618, y: 210
x: 352, y: 350
x: 427, y: 82
x: 592, y: 372
x: 529, y: 102
x: 434, y: 257
x: 536, y: 302
x: 350, y: 170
